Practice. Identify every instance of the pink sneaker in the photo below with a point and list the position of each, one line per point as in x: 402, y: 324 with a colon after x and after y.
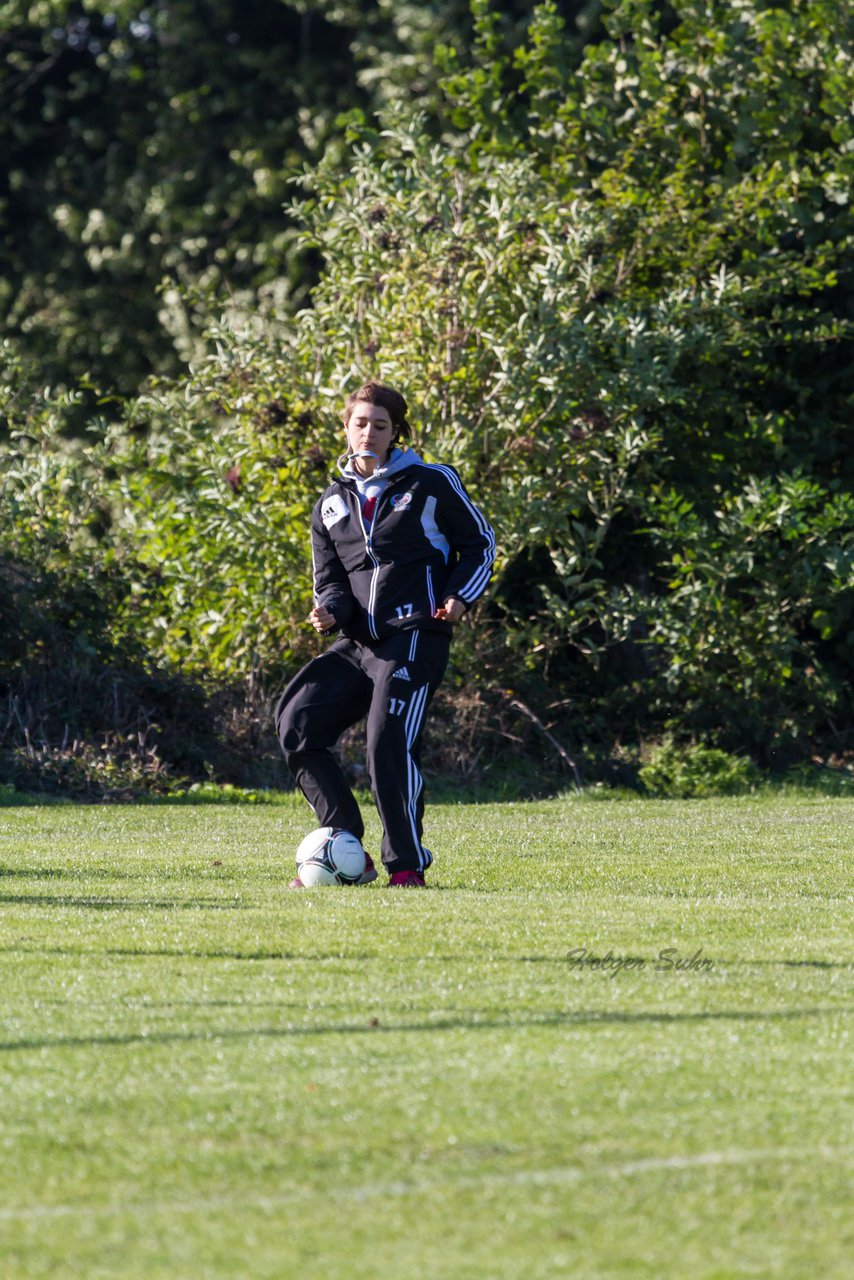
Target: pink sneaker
x: 370, y: 871
x: 407, y: 880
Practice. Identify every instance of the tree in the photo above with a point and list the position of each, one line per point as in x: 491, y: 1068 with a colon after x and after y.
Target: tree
x: 607, y: 308
x: 148, y: 153
x: 155, y: 143
x: 620, y: 317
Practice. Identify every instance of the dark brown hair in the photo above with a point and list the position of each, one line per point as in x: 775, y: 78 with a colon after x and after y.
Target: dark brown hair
x: 386, y: 398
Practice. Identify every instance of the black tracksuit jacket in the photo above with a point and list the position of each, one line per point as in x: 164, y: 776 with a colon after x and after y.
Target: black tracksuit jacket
x: 425, y: 541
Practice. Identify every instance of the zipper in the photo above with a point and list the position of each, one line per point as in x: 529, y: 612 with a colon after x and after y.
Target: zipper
x: 368, y: 536
x: 368, y: 533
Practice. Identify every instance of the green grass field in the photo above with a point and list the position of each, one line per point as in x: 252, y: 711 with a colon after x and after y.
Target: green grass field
x: 206, y: 1075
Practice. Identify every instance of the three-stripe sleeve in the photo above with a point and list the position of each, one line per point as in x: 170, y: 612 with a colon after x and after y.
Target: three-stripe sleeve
x: 470, y: 535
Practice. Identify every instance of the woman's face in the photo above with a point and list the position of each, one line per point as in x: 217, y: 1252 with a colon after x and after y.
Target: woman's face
x: 370, y: 427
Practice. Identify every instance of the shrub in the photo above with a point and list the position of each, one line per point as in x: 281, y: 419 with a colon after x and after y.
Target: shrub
x: 693, y: 772
x: 616, y: 300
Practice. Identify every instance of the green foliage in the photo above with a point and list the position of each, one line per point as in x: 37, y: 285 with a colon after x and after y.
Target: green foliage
x: 616, y: 291
x: 217, y: 793
x: 465, y: 281
x: 148, y: 151
x: 216, y: 514
x: 756, y: 625
x: 713, y: 147
x: 114, y: 197
x: 90, y: 707
x: 59, y: 568
x: 114, y: 770
x: 696, y: 772
x: 830, y: 779
x: 152, y: 143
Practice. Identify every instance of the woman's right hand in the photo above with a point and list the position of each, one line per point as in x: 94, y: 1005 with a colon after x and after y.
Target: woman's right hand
x: 321, y: 619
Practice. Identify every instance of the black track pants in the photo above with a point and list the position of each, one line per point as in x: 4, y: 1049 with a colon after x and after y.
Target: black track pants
x: 392, y: 683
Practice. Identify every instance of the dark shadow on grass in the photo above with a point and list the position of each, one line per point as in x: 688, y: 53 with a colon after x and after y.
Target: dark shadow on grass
x: 171, y: 953
x: 302, y: 957
x: 81, y: 873
x: 581, y: 1018
x: 30, y: 873
x: 121, y: 904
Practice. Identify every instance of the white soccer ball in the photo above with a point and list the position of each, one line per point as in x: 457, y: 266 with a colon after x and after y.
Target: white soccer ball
x: 330, y: 856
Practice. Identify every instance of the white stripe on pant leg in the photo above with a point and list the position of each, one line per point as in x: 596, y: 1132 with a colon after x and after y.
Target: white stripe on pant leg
x: 415, y: 714
x: 413, y: 645
x: 414, y: 781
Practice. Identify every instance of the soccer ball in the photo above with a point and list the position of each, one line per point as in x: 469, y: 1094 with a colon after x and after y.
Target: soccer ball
x: 330, y: 856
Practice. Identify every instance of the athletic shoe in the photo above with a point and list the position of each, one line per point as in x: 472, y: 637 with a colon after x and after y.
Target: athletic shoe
x: 370, y: 871
x: 369, y: 874
x: 407, y: 880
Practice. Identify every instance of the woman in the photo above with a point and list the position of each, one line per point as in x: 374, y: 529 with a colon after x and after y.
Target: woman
x: 399, y: 553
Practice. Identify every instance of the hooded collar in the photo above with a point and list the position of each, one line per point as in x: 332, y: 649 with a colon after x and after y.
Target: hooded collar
x: 398, y: 460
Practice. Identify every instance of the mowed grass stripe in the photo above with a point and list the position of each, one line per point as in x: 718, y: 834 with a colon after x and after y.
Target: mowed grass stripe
x: 560, y: 1176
